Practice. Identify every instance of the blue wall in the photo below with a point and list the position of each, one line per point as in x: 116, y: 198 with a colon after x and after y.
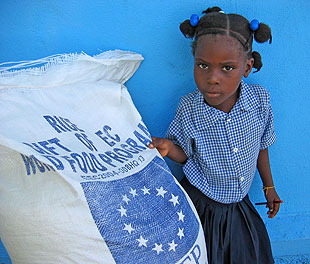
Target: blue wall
x: 32, y: 29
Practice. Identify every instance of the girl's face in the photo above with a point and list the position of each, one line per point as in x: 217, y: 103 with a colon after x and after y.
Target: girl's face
x: 220, y: 63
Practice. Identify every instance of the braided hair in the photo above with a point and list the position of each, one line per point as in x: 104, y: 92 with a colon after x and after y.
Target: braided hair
x: 216, y: 22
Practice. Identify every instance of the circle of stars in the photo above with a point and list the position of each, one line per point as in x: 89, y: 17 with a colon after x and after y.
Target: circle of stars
x: 141, y: 241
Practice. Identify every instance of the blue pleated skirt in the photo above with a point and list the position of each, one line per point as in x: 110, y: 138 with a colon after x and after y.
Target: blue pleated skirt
x: 234, y: 233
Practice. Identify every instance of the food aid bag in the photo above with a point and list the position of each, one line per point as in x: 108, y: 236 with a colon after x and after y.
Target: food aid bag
x: 78, y: 183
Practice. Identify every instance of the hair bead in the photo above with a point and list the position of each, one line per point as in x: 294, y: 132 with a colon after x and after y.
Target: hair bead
x: 254, y: 25
x: 194, y: 20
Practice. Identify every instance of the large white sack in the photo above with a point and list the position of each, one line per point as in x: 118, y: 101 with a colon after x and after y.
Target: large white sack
x: 77, y: 182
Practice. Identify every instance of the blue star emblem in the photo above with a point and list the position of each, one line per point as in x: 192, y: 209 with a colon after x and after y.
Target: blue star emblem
x: 142, y: 217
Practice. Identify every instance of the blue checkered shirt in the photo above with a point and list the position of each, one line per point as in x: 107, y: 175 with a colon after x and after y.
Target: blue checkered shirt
x: 222, y: 148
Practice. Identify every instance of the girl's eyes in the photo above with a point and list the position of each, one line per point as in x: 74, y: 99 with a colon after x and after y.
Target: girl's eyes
x: 228, y: 68
x: 205, y: 67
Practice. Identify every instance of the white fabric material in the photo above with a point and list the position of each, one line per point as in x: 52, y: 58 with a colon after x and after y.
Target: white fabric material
x: 77, y: 182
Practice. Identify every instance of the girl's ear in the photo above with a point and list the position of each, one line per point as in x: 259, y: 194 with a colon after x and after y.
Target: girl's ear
x: 248, y: 67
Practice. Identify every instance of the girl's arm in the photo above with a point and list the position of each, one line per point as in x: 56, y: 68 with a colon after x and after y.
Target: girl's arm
x: 271, y: 195
x: 167, y: 148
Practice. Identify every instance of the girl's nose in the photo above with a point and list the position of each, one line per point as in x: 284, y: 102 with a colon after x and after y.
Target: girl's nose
x: 213, y: 77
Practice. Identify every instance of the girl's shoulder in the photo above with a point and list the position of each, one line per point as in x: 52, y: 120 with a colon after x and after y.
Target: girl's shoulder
x: 257, y: 91
x: 189, y: 98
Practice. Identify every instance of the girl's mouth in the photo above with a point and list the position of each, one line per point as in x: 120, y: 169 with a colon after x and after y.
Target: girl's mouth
x: 212, y: 95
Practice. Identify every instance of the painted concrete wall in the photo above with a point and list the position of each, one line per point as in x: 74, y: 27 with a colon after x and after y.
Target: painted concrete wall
x: 32, y: 29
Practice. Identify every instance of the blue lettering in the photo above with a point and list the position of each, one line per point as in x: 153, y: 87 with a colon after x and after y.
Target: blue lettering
x: 29, y: 163
x: 98, y: 165
x: 46, y: 148
x: 145, y: 130
x: 33, y: 163
x: 39, y: 164
x: 56, y: 141
x: 106, y: 130
x: 70, y: 124
x: 62, y: 124
x: 106, y: 159
x: 71, y: 162
x: 89, y: 162
x: 105, y: 139
x: 37, y: 148
x: 76, y: 156
x: 123, y: 153
x: 56, y: 162
x: 87, y: 142
x: 115, y: 157
x: 129, y: 149
x: 187, y: 258
x: 49, y: 167
x: 196, y: 256
x: 50, y: 149
x: 134, y: 144
x: 141, y: 138
x: 54, y: 124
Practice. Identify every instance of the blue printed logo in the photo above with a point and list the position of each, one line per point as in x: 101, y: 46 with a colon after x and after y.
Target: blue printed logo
x: 145, y: 217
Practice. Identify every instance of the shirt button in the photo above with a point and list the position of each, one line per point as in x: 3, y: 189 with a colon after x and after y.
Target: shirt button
x: 241, y: 178
x: 235, y: 150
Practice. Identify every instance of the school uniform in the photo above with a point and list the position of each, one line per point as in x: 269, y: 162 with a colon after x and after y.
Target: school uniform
x: 222, y: 150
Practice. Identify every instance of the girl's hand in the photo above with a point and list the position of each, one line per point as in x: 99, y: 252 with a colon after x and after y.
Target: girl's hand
x: 271, y: 196
x: 162, y: 145
x: 167, y: 148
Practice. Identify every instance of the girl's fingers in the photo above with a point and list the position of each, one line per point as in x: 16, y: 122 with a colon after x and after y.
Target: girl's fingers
x: 155, y: 142
x: 270, y: 205
x: 273, y: 210
x: 276, y: 207
x: 161, y: 144
x: 272, y: 202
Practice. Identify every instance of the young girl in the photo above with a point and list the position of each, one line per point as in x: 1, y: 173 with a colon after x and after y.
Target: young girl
x: 221, y: 133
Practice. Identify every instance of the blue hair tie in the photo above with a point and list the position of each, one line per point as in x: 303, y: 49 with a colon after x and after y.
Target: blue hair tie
x: 254, y: 25
x: 194, y: 20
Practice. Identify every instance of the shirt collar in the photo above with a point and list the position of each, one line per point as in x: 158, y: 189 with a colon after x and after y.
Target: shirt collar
x: 247, y: 99
x: 206, y: 116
